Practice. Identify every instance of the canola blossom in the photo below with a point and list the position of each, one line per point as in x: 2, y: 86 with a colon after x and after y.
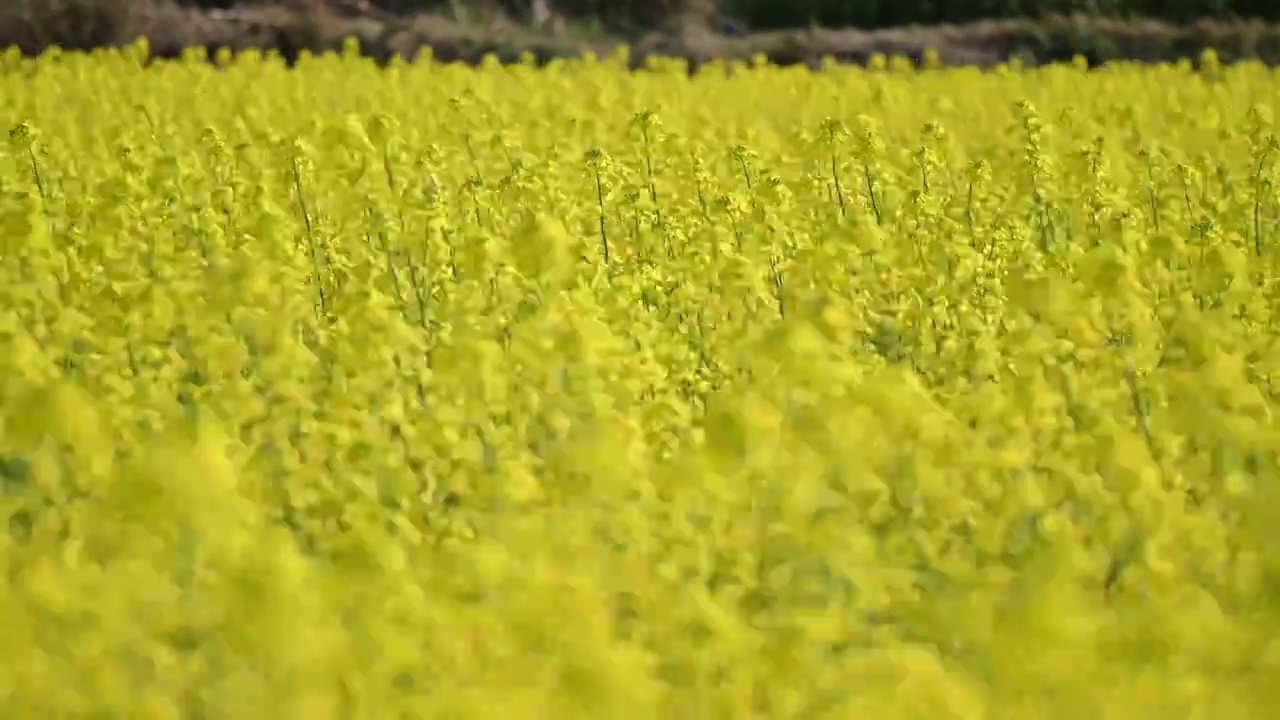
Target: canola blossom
x: 428, y: 391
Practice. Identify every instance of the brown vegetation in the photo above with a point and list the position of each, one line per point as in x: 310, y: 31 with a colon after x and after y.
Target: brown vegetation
x: 291, y: 26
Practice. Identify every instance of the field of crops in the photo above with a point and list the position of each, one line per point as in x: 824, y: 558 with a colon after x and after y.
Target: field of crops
x: 436, y: 392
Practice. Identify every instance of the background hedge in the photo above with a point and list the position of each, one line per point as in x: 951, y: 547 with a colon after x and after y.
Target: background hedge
x: 865, y: 14
x: 698, y: 31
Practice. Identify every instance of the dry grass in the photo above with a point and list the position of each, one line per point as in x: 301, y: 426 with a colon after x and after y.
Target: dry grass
x: 74, y: 24
x: 319, y: 25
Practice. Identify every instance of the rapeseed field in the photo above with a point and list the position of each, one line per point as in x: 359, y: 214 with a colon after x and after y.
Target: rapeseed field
x: 426, y: 391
